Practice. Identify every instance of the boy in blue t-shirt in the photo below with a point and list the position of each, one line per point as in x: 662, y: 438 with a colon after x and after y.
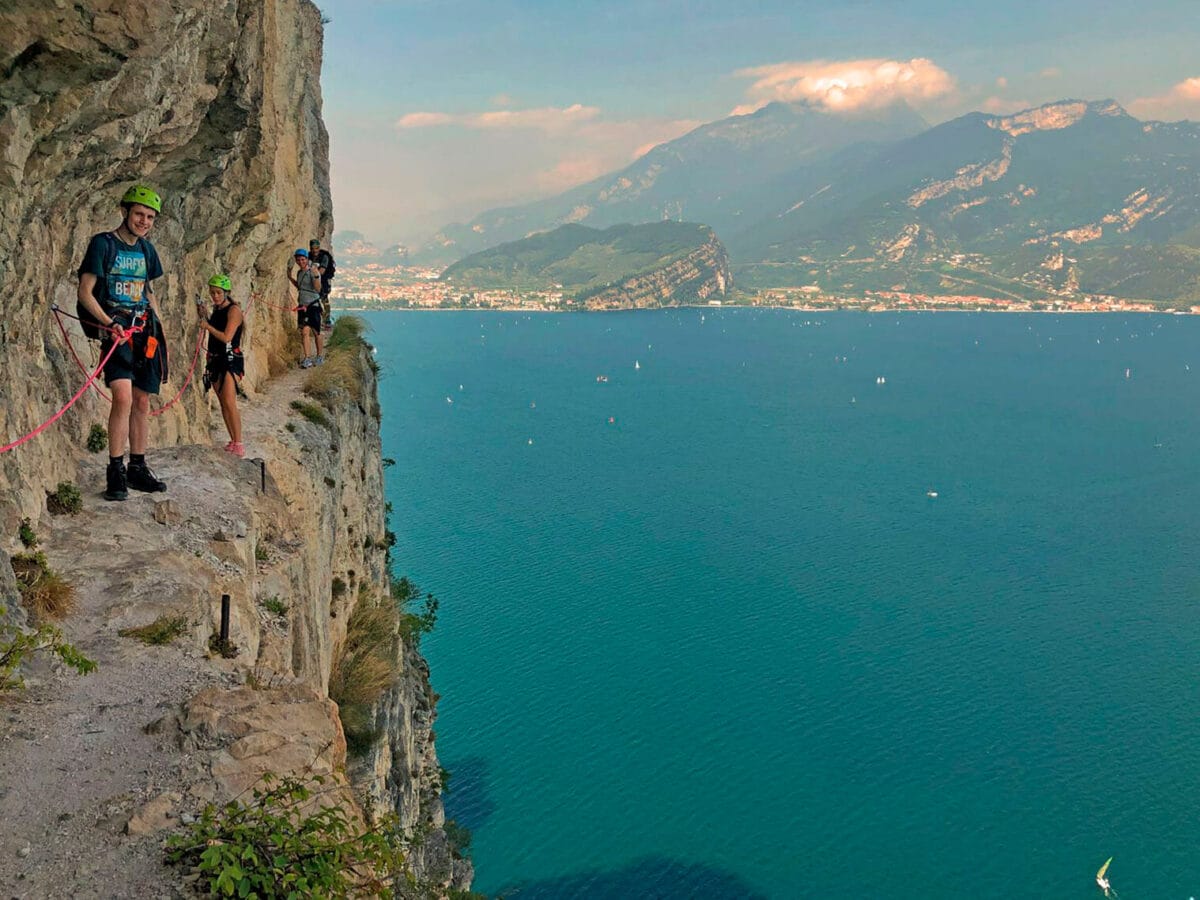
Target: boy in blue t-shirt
x: 114, y: 287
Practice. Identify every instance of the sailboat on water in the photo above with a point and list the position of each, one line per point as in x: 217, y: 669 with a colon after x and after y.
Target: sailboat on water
x: 1102, y: 879
x: 636, y: 364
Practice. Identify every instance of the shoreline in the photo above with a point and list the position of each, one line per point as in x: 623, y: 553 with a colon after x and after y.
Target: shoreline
x: 808, y: 309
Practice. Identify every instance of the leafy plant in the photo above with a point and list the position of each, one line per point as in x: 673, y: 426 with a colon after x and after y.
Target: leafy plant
x: 65, y: 499
x: 44, y: 592
x: 27, y: 534
x: 16, y: 644
x: 260, y: 553
x: 459, y: 837
x: 275, y: 606
x: 97, y: 438
x: 279, y: 845
x: 162, y: 630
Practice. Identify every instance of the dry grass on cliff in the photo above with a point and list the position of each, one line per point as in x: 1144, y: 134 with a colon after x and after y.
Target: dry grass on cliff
x: 343, y: 369
x: 43, y: 591
x: 366, y: 665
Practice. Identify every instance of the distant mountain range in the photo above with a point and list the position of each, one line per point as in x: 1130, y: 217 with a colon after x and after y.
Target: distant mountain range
x: 622, y: 267
x: 1071, y: 197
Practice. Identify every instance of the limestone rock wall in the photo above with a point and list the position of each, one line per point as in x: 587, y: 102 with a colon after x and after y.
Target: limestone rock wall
x: 217, y: 106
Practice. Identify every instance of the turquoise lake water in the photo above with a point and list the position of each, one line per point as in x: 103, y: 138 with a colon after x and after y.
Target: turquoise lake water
x: 726, y: 645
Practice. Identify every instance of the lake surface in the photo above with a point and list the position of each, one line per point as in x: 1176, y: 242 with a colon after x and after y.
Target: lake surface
x: 704, y: 634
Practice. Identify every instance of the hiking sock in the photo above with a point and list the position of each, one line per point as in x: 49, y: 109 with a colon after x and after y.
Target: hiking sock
x: 137, y: 459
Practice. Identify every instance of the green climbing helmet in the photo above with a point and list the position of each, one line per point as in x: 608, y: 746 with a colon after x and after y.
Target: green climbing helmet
x: 221, y: 281
x: 139, y: 193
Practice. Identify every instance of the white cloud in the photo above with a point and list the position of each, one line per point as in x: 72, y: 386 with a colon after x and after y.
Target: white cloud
x: 548, y: 119
x: 1002, y: 82
x: 424, y: 120
x: 847, y: 84
x: 1181, y: 102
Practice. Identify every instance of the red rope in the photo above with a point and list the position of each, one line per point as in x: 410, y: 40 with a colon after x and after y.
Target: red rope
x: 186, y: 381
x: 79, y: 393
x: 74, y: 355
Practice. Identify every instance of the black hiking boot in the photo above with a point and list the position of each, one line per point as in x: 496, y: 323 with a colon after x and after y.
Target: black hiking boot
x: 118, y: 486
x: 142, y: 479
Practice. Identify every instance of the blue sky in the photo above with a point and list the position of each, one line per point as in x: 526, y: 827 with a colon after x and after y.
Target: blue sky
x: 439, y: 109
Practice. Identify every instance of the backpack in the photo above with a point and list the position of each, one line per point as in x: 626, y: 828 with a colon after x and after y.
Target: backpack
x: 330, y: 268
x: 92, y: 327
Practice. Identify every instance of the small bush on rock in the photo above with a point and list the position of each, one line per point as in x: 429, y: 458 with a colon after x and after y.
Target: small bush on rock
x: 277, y: 845
x: 27, y: 534
x: 65, y: 500
x: 97, y: 438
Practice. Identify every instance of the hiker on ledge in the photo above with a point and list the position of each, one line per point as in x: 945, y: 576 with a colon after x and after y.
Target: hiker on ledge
x: 323, y: 260
x: 114, y: 297
x: 225, y: 366
x: 308, y: 313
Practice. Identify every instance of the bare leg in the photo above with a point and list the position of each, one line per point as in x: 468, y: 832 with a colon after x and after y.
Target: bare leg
x: 229, y: 409
x: 119, y: 415
x: 304, y: 332
x: 320, y: 344
x: 139, y: 421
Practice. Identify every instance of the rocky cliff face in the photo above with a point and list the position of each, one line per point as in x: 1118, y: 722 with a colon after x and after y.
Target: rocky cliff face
x: 218, y: 107
x: 701, y: 275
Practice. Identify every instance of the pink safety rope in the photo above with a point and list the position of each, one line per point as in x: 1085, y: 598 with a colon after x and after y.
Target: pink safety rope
x: 79, y: 393
x: 186, y: 381
x: 75, y: 356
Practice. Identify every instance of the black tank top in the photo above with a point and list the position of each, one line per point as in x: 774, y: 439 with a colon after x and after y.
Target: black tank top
x: 218, y: 320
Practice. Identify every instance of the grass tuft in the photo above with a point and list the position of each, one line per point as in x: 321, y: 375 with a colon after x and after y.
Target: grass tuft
x: 43, y: 591
x: 162, y: 630
x: 312, y: 412
x: 367, y: 664
x: 274, y: 605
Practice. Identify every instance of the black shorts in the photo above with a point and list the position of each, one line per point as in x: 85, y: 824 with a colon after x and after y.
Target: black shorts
x: 310, y: 316
x: 129, y: 363
x: 218, y: 366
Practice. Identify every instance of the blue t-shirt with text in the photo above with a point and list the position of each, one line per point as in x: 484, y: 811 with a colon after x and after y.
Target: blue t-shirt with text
x: 123, y: 284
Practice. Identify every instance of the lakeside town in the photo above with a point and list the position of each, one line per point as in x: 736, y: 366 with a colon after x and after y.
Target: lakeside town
x: 374, y: 286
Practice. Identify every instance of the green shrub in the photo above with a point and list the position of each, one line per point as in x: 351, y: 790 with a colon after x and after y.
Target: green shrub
x: 16, y: 644
x: 339, y: 588
x: 459, y: 838
x: 414, y: 625
x: 277, y: 845
x: 65, y: 500
x: 290, y: 426
x: 275, y: 606
x: 43, y: 591
x: 97, y: 438
x: 260, y: 553
x: 27, y: 534
x: 312, y: 412
x: 162, y: 630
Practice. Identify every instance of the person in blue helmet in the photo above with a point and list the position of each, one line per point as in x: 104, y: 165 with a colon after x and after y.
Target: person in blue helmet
x: 114, y: 297
x: 307, y: 282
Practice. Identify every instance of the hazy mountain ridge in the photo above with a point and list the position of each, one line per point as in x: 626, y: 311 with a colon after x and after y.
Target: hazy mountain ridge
x: 1066, y: 198
x: 718, y: 173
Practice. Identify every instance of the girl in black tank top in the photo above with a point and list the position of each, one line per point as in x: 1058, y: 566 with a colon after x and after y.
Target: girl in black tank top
x: 225, y: 362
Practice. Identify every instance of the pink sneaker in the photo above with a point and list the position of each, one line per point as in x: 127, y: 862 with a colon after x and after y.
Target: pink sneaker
x: 237, y: 448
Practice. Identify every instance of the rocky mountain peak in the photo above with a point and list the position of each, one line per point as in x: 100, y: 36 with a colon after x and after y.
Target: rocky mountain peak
x: 1054, y: 116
